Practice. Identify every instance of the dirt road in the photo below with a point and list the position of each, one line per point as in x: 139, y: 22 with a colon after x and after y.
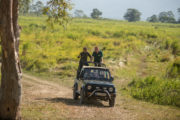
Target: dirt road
x: 45, y: 100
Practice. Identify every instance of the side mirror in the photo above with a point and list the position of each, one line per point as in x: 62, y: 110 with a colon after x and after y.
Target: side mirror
x: 112, y: 78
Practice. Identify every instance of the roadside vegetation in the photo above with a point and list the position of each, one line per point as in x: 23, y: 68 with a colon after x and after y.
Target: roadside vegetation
x: 156, y: 90
x: 145, y: 55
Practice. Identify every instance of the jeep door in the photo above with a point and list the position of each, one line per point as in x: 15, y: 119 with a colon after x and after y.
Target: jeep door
x: 81, y: 79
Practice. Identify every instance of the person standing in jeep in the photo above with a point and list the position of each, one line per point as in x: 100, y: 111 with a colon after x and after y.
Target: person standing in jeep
x: 98, y: 56
x: 83, y: 60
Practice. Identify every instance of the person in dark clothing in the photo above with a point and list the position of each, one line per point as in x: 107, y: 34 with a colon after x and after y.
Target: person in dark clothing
x: 98, y: 56
x: 83, y: 60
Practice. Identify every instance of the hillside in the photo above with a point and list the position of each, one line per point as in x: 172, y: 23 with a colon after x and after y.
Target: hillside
x: 145, y: 55
x: 45, y: 49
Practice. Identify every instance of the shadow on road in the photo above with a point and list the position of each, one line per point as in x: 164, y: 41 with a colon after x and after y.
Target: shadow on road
x: 70, y: 101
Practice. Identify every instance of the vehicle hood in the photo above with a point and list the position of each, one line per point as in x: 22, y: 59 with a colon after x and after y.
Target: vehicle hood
x: 98, y: 82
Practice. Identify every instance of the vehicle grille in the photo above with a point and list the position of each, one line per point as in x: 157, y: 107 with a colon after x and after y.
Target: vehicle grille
x: 99, y: 87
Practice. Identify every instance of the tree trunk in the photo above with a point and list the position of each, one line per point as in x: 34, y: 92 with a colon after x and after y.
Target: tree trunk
x: 10, y: 97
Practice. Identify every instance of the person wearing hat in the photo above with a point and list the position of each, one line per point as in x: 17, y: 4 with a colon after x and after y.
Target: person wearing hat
x: 83, y: 60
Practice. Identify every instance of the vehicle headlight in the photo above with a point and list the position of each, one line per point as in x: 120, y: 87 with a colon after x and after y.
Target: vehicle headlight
x: 111, y: 89
x: 89, y: 87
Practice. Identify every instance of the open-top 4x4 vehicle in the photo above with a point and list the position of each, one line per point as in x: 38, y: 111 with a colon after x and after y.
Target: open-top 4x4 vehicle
x: 95, y: 83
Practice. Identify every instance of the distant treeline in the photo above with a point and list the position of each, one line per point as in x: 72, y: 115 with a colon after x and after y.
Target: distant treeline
x: 27, y: 7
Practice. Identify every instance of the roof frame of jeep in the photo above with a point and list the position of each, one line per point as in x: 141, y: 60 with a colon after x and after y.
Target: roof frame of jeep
x: 93, y: 64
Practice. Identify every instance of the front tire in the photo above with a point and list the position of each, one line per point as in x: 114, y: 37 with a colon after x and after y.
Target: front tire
x: 112, y: 102
x: 82, y: 97
x: 75, y: 95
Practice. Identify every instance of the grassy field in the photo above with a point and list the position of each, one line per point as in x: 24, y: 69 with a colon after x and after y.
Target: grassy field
x: 145, y: 55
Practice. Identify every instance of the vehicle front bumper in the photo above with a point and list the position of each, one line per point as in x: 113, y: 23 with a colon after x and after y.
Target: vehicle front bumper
x: 100, y: 94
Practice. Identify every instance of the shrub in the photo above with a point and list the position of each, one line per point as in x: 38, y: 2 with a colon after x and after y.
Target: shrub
x: 73, y: 36
x: 168, y: 44
x: 159, y: 91
x: 33, y: 26
x: 173, y: 70
x: 166, y: 57
x: 131, y: 34
x: 118, y: 34
x: 152, y: 35
x: 25, y: 48
x: 176, y: 48
x: 94, y: 32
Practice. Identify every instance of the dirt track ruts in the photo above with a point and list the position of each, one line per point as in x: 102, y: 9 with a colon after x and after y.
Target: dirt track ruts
x: 38, y: 90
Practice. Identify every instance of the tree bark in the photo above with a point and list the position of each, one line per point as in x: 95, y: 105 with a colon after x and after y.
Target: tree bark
x: 10, y: 97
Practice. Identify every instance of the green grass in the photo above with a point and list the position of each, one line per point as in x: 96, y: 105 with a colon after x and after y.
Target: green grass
x: 159, y: 91
x: 44, y: 49
x: 133, y: 50
x: 174, y: 69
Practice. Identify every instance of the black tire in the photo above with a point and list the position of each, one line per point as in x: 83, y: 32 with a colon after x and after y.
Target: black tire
x: 82, y: 98
x: 75, y: 95
x: 112, y: 102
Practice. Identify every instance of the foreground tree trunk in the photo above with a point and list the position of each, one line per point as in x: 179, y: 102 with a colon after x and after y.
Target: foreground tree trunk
x: 10, y: 96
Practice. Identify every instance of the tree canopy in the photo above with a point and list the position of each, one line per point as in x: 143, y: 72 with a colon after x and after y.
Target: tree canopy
x: 24, y: 6
x: 79, y: 14
x: 132, y: 15
x: 37, y: 8
x: 57, y: 11
x: 167, y: 17
x: 179, y: 14
x: 179, y: 10
x: 96, y: 13
x: 153, y: 18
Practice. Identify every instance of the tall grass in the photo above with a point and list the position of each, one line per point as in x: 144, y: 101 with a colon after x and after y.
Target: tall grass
x: 43, y: 49
x: 157, y: 90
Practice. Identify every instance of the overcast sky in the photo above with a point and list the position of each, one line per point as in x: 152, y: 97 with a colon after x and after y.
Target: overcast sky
x: 116, y: 8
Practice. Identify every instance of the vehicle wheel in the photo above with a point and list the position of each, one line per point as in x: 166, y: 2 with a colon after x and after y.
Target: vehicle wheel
x: 82, y: 98
x: 112, y: 102
x: 75, y: 95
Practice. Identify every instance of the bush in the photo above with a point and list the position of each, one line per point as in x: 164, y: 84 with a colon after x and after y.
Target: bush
x: 118, y: 34
x: 176, y: 48
x: 73, y: 36
x: 159, y: 91
x: 152, y: 35
x: 94, y: 32
x: 168, y: 44
x: 174, y: 69
x: 165, y: 57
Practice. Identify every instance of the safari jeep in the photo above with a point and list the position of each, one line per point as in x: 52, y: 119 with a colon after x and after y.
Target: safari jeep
x: 94, y: 83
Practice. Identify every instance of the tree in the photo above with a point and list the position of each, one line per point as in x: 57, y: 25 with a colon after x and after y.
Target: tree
x: 132, y: 15
x: 153, y: 18
x: 179, y: 14
x: 10, y: 96
x: 37, y: 8
x: 79, y: 14
x: 179, y: 10
x: 11, y: 71
x: 24, y: 6
x: 167, y: 17
x: 96, y: 13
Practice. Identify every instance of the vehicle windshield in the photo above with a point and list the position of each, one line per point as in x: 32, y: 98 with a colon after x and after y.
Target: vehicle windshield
x: 96, y: 74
